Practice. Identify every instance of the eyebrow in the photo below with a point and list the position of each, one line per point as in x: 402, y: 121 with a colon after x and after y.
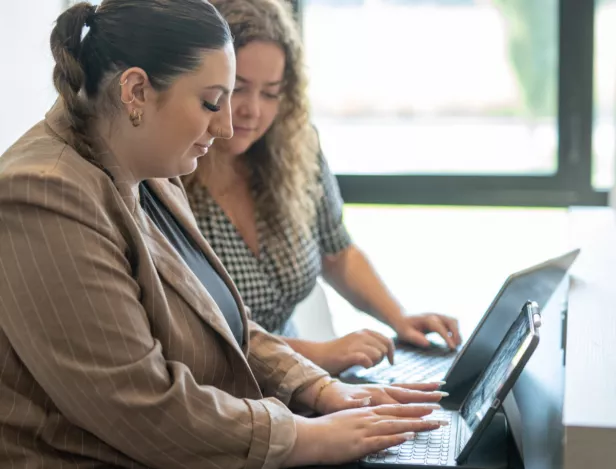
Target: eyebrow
x: 271, y: 83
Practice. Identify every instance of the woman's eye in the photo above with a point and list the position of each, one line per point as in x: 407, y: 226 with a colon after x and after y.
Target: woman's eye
x: 211, y: 107
x: 271, y: 96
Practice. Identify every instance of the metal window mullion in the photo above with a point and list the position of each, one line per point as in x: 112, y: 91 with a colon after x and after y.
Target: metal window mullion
x: 575, y: 94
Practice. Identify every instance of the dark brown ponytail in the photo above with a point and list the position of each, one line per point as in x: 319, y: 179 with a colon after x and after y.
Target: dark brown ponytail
x: 68, y: 73
x: 163, y: 37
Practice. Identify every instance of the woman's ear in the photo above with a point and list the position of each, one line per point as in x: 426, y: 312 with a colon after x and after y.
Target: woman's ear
x: 134, y: 83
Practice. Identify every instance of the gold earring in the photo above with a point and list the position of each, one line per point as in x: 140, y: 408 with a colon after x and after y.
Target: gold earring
x: 122, y: 83
x: 135, y: 117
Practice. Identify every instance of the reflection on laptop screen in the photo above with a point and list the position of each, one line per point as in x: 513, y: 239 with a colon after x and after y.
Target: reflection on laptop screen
x: 497, y: 373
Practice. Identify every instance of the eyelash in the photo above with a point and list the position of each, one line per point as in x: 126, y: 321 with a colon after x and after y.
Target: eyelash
x: 211, y: 107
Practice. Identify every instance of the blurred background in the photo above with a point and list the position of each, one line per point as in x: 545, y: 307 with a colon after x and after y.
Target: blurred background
x: 461, y: 130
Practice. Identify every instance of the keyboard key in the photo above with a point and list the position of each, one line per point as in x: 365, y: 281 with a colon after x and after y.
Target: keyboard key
x: 410, y: 366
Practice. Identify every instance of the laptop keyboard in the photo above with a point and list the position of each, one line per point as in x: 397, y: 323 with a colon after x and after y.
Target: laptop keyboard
x: 410, y: 365
x: 428, y: 448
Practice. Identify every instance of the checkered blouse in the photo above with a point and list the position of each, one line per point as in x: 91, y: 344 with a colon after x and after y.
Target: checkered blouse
x: 272, y: 289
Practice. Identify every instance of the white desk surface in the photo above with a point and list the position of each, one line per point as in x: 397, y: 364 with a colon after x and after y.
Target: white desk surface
x: 590, y: 378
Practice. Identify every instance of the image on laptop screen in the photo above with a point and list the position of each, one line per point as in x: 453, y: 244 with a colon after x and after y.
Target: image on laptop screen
x: 497, y: 379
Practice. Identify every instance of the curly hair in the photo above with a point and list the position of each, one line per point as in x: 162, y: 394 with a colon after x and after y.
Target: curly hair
x: 284, y: 163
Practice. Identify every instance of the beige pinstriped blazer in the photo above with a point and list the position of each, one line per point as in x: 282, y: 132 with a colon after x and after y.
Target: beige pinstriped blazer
x: 112, y: 354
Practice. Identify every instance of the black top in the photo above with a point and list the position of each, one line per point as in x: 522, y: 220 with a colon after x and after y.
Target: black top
x: 194, y: 258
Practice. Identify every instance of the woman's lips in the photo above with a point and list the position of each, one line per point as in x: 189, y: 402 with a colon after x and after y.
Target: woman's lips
x: 242, y: 130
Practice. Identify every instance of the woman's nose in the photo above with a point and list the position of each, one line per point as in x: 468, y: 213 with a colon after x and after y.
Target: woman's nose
x: 250, y: 106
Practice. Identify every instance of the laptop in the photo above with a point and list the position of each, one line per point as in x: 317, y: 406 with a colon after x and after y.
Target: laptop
x: 451, y: 446
x: 460, y: 368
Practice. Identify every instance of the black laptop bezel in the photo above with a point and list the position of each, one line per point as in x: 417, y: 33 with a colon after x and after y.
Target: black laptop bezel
x: 531, y: 311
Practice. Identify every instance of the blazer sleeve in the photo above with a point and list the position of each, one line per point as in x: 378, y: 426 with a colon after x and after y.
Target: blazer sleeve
x: 70, y: 308
x: 280, y: 371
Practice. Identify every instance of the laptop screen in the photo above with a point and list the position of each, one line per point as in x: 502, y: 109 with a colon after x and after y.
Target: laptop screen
x: 498, y: 372
x: 537, y: 283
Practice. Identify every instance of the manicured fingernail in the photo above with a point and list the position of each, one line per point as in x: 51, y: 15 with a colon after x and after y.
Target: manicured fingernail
x: 433, y: 406
x: 443, y: 393
x: 365, y: 401
x: 409, y: 436
x: 441, y: 383
x: 440, y: 423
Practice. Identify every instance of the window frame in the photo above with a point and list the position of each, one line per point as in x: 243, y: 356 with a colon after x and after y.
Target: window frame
x: 572, y: 182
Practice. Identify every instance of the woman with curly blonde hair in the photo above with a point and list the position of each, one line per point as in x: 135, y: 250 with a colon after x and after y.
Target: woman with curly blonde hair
x: 270, y: 207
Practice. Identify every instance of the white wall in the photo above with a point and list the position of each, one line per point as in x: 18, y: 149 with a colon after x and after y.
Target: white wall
x: 26, y: 88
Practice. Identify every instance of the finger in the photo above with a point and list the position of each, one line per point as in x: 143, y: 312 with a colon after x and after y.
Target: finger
x: 375, y: 444
x: 407, y: 396
x: 359, y: 402
x: 427, y: 387
x: 405, y: 410
x: 368, y: 340
x: 375, y: 353
x: 358, y: 358
x: 383, y: 398
x: 454, y: 327
x: 405, y: 428
x: 398, y: 426
x: 437, y: 325
x: 388, y: 342
x: 415, y: 337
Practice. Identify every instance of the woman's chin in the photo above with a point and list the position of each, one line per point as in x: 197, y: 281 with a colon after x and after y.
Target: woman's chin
x: 189, y: 165
x: 235, y: 147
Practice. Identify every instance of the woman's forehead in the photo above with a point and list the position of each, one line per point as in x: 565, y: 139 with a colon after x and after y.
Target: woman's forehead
x: 217, y: 68
x: 262, y: 62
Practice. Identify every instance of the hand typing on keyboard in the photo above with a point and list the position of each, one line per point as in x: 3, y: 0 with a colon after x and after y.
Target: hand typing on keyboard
x: 339, y: 396
x: 364, y: 348
x: 430, y: 448
x: 361, y: 419
x: 413, y: 329
x: 351, y: 434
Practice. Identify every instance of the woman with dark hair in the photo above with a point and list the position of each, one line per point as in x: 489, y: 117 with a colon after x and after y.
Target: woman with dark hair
x: 271, y: 208
x: 124, y: 343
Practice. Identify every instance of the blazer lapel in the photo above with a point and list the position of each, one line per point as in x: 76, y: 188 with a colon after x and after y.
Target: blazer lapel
x: 177, y: 273
x: 166, y: 259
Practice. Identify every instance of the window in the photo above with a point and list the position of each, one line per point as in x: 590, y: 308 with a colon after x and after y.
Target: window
x: 604, y: 135
x: 456, y: 101
x: 440, y: 87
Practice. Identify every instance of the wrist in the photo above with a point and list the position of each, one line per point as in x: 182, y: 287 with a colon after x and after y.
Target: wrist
x: 319, y: 394
x: 301, y: 452
x: 396, y: 319
x: 316, y: 352
x: 319, y: 353
x: 308, y: 396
